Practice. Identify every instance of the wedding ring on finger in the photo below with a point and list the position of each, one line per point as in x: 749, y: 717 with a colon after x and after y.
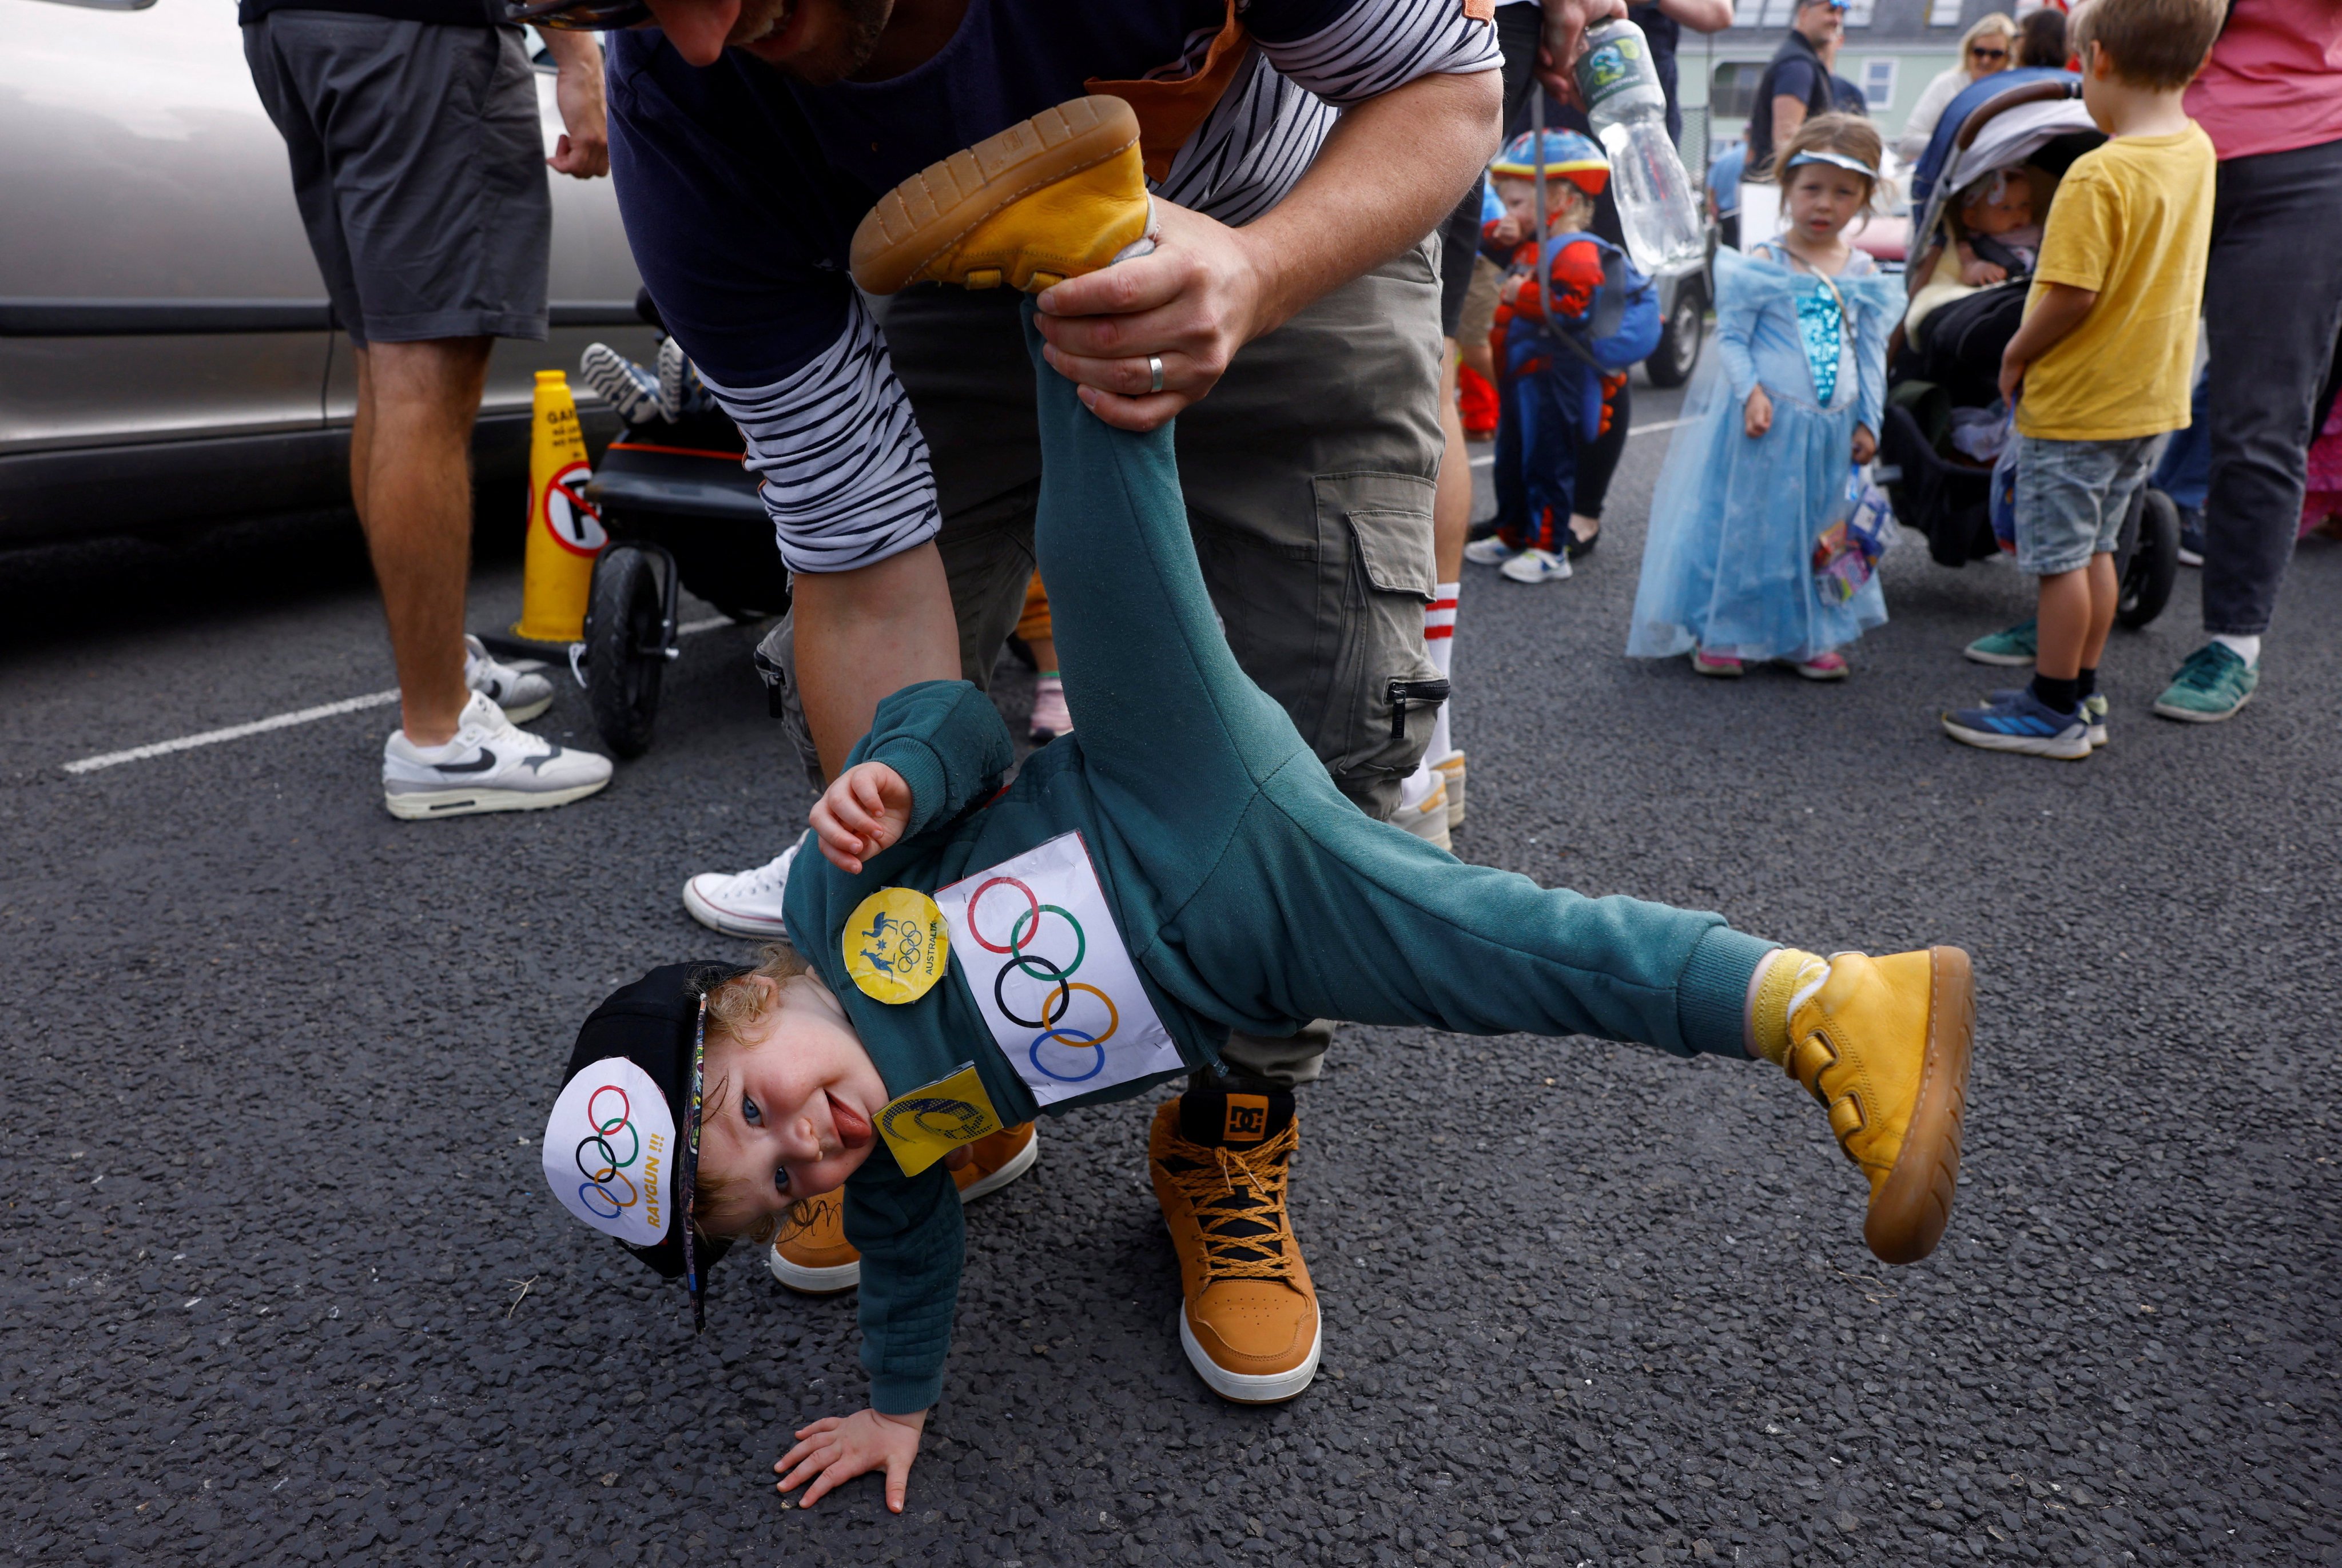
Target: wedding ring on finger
x: 1154, y: 373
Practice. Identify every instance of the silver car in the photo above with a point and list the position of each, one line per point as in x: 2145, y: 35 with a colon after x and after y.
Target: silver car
x: 167, y: 355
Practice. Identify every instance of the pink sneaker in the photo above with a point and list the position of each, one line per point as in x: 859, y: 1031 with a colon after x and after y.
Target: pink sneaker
x: 1050, y: 718
x: 1707, y: 663
x: 1824, y: 667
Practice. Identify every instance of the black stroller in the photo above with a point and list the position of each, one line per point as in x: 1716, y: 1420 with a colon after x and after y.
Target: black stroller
x: 2024, y: 118
x: 680, y: 512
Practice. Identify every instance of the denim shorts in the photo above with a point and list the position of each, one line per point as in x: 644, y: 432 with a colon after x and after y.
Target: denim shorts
x: 2072, y: 497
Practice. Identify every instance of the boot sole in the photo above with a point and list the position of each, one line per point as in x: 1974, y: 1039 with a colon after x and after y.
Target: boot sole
x: 1908, y: 1214
x: 1018, y: 1163
x: 1249, y: 1387
x: 2019, y: 745
x: 944, y: 203
x: 422, y: 805
x: 2198, y: 716
x: 718, y: 920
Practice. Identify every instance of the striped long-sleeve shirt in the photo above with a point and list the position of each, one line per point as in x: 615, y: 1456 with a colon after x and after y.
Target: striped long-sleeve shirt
x: 741, y: 188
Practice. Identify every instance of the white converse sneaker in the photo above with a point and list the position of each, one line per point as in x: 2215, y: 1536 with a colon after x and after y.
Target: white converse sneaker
x: 490, y: 766
x: 1537, y: 566
x: 1490, y: 552
x: 625, y: 386
x: 522, y: 693
x: 744, y: 904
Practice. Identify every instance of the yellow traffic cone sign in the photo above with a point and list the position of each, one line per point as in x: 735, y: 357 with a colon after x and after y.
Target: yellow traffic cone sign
x: 564, y: 532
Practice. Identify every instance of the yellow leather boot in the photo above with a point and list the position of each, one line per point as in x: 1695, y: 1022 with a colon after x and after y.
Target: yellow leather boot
x: 1883, y: 1043
x: 1049, y: 198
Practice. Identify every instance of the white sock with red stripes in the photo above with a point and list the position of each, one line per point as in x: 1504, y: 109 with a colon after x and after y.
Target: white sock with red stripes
x: 1439, y: 642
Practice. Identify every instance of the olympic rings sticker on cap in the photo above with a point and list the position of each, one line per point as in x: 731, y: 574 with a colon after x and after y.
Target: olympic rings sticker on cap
x: 608, y: 1151
x: 1050, y: 973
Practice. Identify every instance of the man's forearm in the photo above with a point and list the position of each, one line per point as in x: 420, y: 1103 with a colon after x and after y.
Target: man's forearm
x: 1392, y: 169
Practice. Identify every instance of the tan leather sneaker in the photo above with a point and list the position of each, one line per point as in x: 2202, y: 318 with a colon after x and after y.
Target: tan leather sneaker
x: 810, y: 1253
x: 1049, y: 198
x: 1885, y: 1043
x: 1451, y: 771
x: 1250, y: 1322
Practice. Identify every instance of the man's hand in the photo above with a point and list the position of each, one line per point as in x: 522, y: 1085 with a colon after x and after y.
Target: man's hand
x: 832, y: 1452
x: 864, y: 810
x: 1564, y: 41
x: 1192, y: 303
x: 1866, y: 444
x: 583, y: 150
x: 1756, y: 418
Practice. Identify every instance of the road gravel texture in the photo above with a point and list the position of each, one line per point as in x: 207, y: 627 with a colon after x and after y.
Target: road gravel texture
x: 283, y: 1284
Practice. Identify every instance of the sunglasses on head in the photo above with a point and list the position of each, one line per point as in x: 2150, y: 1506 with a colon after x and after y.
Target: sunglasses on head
x: 579, y: 15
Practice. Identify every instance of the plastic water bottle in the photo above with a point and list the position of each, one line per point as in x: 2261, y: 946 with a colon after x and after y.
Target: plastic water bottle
x: 1658, y: 208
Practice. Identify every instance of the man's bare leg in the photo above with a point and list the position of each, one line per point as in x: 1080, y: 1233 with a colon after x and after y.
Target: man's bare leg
x: 411, y: 481
x: 863, y: 633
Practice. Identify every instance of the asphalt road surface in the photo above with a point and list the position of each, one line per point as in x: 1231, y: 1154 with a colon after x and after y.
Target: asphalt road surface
x: 283, y: 1284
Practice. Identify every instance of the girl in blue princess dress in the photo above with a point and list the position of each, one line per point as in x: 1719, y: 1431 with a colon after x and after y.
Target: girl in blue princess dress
x: 1792, y: 396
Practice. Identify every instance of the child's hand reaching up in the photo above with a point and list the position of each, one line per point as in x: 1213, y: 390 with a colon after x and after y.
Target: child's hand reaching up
x: 1758, y: 415
x: 865, y: 809
x: 832, y: 1452
x: 1866, y: 444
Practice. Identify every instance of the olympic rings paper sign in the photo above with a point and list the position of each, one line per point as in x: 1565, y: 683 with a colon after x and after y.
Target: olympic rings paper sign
x: 895, y: 945
x: 609, y: 1151
x: 931, y: 1121
x: 1051, y: 974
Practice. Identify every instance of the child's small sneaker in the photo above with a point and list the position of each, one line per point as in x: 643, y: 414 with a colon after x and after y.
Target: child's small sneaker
x: 1535, y: 565
x: 1831, y: 666
x: 680, y: 391
x: 1721, y: 664
x: 1490, y: 552
x: 625, y: 386
x: 744, y: 902
x: 2011, y: 649
x: 2023, y: 723
x: 1050, y: 717
x: 490, y: 766
x: 2094, y: 711
x: 522, y: 693
x: 1450, y: 769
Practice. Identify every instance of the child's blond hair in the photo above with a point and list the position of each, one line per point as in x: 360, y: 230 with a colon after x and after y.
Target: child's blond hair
x: 1848, y: 135
x: 1560, y: 196
x: 2156, y: 44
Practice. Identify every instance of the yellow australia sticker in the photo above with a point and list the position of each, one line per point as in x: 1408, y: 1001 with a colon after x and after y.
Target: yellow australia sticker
x: 931, y: 1121
x: 895, y: 945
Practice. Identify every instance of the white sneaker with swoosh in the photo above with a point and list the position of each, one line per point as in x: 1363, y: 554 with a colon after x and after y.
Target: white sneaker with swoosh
x: 490, y: 766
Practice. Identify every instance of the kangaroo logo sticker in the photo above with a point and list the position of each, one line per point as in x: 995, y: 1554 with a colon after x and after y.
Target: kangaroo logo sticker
x: 895, y: 945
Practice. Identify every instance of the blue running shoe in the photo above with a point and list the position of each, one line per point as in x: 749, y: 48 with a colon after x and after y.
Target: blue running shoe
x: 2094, y: 711
x: 2023, y: 723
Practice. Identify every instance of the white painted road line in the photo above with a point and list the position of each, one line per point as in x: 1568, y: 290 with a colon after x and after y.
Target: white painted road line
x: 298, y: 716
x: 235, y: 731
x: 1488, y: 459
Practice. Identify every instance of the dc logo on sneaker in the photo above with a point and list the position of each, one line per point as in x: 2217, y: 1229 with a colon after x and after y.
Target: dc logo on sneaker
x: 1247, y: 1119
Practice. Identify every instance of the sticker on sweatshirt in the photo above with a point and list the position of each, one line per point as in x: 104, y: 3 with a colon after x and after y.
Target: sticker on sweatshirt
x: 1051, y: 974
x: 931, y: 1121
x: 895, y: 945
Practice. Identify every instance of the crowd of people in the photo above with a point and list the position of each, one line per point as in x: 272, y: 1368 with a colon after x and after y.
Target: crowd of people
x: 1149, y: 345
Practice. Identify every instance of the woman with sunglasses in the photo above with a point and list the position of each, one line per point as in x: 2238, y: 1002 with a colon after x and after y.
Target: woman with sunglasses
x: 1989, y: 46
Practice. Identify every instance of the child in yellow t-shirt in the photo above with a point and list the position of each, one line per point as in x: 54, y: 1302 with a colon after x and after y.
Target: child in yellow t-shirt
x: 2100, y: 368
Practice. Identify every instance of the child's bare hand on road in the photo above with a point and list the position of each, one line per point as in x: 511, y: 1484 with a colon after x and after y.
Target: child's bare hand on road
x: 1758, y: 415
x: 1866, y: 444
x: 834, y: 1450
x: 864, y: 810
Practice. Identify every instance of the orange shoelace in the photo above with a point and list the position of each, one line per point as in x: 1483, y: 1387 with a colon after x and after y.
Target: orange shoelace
x: 1238, y: 1196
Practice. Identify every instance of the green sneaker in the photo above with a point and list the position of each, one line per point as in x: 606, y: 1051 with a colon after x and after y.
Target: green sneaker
x: 2012, y: 648
x: 2210, y: 687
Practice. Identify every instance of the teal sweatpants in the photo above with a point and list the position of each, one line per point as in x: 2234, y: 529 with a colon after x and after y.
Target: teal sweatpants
x: 1268, y: 898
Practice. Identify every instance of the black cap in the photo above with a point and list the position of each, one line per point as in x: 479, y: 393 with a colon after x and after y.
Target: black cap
x: 655, y: 1024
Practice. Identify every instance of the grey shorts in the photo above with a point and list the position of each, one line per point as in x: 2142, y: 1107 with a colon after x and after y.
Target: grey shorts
x: 2072, y: 497
x: 418, y: 164
x: 1308, y: 473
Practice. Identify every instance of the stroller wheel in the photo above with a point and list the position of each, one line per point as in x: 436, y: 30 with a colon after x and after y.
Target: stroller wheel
x: 624, y: 656
x: 2150, y: 567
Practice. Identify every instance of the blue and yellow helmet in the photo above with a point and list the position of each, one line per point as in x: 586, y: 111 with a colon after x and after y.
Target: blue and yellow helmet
x: 1568, y: 155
